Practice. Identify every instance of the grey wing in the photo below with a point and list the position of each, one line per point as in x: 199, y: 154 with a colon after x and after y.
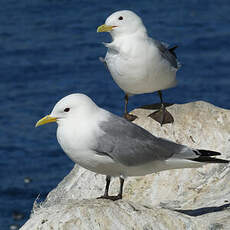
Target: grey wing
x: 132, y: 145
x: 168, y: 54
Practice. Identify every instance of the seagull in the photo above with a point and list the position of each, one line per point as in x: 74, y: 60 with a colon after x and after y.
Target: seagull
x: 138, y: 63
x: 110, y: 145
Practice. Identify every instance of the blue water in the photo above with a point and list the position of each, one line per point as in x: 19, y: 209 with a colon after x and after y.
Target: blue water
x: 50, y: 48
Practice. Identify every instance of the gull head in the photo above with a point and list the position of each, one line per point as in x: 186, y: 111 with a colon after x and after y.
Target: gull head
x: 124, y: 22
x: 69, y: 108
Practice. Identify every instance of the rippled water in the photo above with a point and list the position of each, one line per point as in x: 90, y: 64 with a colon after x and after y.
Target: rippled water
x: 50, y: 48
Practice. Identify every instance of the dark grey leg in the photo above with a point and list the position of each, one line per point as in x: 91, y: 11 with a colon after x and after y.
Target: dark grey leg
x: 128, y: 116
x: 126, y: 102
x: 121, y: 188
x: 162, y: 115
x: 108, y: 178
x: 106, y: 195
x: 160, y: 95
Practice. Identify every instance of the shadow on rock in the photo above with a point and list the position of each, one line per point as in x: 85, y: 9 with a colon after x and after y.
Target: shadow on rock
x: 154, y: 106
x: 203, y: 211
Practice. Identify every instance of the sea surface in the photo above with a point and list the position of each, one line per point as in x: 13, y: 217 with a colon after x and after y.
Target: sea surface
x: 50, y: 48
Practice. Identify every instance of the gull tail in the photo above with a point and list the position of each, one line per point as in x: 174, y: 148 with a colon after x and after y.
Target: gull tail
x: 205, y: 156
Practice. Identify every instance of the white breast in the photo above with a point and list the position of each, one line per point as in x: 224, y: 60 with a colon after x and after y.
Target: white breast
x: 137, y: 66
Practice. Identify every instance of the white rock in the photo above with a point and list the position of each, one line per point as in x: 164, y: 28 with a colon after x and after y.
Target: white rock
x: 176, y: 199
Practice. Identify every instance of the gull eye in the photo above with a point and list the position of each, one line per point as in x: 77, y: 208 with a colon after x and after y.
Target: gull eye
x: 120, y: 18
x: 66, y: 109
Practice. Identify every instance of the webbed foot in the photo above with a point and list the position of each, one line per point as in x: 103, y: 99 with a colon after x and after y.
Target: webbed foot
x: 113, y: 198
x: 162, y: 116
x: 129, y: 117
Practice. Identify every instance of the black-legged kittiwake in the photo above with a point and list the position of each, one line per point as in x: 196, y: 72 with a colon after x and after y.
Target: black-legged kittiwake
x: 108, y: 144
x: 138, y: 63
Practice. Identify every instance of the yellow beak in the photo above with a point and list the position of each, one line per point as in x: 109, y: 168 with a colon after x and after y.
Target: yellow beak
x: 105, y: 28
x: 45, y: 120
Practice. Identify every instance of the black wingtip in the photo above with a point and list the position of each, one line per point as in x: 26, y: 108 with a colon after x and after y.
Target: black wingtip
x: 207, y: 153
x: 207, y: 159
x: 171, y: 50
x: 206, y: 156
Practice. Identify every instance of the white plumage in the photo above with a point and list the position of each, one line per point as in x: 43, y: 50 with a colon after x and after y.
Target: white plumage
x: 137, y: 63
x: 107, y: 144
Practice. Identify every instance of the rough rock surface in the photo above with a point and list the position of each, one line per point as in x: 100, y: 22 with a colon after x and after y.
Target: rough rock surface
x: 176, y: 199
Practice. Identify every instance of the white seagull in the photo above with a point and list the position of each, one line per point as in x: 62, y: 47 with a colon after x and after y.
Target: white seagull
x: 107, y: 144
x: 138, y: 63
